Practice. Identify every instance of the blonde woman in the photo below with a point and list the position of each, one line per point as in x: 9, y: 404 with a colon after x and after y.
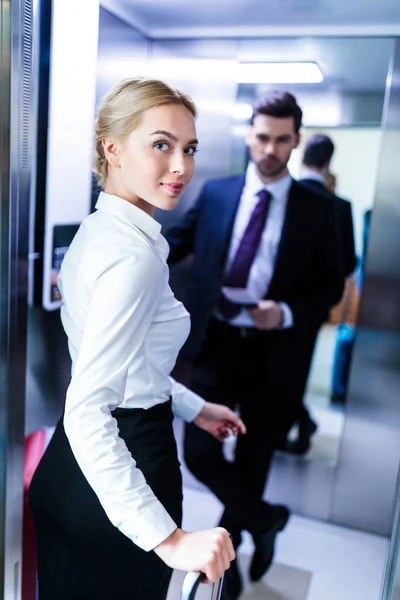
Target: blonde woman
x: 107, y: 495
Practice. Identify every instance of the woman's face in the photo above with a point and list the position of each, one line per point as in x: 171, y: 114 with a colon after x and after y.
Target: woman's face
x: 154, y: 164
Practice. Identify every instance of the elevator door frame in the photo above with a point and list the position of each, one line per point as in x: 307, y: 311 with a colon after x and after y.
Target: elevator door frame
x: 17, y: 95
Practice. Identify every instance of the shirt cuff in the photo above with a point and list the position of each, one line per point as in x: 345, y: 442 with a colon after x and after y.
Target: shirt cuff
x: 151, y: 527
x: 287, y: 320
x: 185, y: 403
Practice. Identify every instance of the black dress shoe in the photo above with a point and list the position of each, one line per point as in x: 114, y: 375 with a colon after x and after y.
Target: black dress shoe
x: 303, y: 442
x: 232, y: 587
x: 265, y: 543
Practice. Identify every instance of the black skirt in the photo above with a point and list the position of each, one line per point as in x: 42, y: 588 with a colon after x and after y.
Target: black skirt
x: 81, y: 555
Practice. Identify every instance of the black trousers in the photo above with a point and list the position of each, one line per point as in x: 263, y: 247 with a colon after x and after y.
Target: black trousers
x: 255, y: 371
x: 81, y: 555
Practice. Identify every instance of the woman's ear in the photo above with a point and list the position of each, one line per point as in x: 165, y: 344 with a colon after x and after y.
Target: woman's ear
x: 112, y: 152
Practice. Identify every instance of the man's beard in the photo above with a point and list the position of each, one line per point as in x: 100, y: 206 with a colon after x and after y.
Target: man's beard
x: 271, y: 171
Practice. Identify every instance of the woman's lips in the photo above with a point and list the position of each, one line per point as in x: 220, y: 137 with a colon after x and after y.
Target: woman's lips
x: 173, y: 188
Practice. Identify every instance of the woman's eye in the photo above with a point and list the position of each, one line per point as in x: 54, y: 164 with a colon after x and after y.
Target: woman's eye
x: 191, y: 151
x: 162, y: 146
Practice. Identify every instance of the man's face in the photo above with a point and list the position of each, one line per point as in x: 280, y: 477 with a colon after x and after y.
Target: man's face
x: 271, y: 141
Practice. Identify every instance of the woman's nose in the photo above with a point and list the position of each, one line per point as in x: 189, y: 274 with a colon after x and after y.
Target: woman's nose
x: 177, y: 164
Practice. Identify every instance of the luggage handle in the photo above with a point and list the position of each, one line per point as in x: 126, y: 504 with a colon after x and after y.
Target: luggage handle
x: 192, y: 582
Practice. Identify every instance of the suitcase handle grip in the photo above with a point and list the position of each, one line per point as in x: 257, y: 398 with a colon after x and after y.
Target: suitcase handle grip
x: 192, y: 582
x: 190, y: 585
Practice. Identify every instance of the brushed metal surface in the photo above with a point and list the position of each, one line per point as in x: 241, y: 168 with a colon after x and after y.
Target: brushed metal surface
x: 17, y: 21
x: 366, y: 476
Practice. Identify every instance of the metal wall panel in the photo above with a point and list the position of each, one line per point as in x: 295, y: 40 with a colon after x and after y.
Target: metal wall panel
x: 122, y: 53
x: 366, y: 476
x: 17, y: 92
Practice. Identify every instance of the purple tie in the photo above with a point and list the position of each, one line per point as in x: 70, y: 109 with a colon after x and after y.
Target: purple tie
x: 240, y: 268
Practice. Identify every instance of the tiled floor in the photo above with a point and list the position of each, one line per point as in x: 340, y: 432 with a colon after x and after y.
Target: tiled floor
x: 314, y: 560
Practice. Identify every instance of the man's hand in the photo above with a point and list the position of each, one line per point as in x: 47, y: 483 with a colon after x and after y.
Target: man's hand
x: 268, y: 315
x: 220, y: 421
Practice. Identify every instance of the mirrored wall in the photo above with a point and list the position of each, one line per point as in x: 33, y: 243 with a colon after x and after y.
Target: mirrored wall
x: 346, y: 104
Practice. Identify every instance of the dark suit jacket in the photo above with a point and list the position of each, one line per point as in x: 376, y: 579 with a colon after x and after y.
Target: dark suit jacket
x: 307, y: 274
x: 344, y: 222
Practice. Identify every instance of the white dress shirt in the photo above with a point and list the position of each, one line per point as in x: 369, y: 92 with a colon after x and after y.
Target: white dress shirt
x: 125, y: 329
x: 263, y: 265
x: 311, y: 174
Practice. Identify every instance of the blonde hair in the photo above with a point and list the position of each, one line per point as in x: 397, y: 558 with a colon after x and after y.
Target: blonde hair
x: 120, y: 110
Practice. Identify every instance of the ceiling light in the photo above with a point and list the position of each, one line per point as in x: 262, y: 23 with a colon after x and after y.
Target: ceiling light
x: 242, y: 112
x: 284, y: 72
x: 221, y: 70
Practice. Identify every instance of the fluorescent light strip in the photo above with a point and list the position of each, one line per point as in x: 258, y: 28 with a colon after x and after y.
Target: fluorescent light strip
x: 301, y: 72
x: 230, y: 70
x: 242, y: 112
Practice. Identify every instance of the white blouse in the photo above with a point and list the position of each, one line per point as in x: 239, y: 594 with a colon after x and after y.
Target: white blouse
x: 125, y: 329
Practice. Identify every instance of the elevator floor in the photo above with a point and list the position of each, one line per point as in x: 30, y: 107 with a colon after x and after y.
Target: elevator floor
x: 313, y: 561
x: 281, y: 583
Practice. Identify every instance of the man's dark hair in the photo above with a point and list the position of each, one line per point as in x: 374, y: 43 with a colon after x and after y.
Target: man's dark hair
x: 280, y: 105
x: 318, y: 151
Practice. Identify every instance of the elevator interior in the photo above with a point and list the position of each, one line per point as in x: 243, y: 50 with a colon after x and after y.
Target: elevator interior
x: 350, y: 478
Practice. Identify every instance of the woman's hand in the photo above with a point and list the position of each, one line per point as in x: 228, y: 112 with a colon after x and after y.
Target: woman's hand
x: 220, y: 421
x: 209, y: 552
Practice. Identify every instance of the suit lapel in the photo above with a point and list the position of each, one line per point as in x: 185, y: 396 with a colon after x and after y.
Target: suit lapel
x: 293, y: 218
